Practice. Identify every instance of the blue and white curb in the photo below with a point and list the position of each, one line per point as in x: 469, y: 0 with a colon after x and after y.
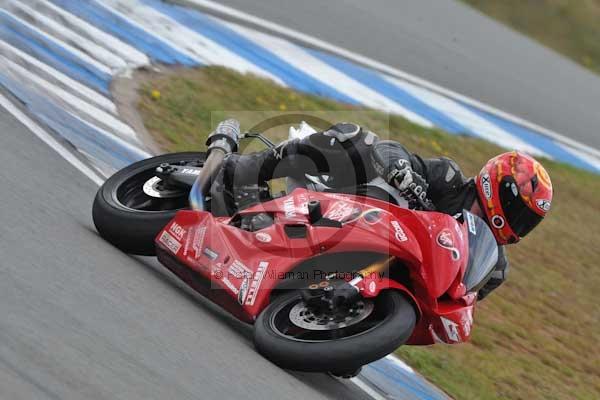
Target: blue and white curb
x: 58, y: 59
x: 65, y: 53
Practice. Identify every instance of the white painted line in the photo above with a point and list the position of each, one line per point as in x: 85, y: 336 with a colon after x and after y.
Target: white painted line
x: 64, y: 34
x: 401, y: 364
x: 321, y: 44
x: 461, y: 114
x: 190, y: 42
x: 49, y: 140
x: 130, y: 54
x: 84, y: 57
x: 593, y: 161
x: 66, y: 99
x: 56, y: 77
x: 327, y: 74
x: 357, y: 380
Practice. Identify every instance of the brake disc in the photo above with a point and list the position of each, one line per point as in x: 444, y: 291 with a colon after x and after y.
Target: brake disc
x: 303, y: 317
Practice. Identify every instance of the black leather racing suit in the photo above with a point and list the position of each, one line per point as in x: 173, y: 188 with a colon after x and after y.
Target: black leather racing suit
x: 349, y: 161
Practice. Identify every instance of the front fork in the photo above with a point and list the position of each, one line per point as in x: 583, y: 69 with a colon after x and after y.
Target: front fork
x: 330, y: 295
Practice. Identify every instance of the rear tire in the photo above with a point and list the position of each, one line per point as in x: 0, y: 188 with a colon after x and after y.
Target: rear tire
x: 114, y: 212
x: 340, y: 354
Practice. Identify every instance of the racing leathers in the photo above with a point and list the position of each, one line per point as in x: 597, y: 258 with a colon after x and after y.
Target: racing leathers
x: 350, y: 156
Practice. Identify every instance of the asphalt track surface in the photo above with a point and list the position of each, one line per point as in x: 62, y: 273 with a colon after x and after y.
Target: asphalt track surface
x: 450, y: 44
x: 80, y: 319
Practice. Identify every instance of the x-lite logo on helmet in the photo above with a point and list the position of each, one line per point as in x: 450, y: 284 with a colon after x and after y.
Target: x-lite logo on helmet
x: 515, y: 192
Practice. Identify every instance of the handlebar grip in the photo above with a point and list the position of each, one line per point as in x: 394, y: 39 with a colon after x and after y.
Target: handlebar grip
x: 225, y: 136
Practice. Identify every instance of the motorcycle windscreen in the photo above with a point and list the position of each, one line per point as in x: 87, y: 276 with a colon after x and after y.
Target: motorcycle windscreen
x: 483, y: 252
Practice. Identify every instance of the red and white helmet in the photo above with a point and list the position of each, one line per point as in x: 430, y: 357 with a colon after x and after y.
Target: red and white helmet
x: 515, y: 193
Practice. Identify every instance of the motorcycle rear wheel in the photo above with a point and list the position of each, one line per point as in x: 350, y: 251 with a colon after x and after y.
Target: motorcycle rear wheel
x: 278, y: 338
x: 130, y: 219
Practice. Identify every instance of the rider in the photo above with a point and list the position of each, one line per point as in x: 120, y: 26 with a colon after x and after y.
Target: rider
x: 512, y: 193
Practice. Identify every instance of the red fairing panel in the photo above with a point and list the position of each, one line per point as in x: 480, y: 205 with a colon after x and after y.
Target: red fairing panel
x: 248, y: 265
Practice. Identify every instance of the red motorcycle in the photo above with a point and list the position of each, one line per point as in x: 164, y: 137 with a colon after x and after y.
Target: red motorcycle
x: 331, y: 281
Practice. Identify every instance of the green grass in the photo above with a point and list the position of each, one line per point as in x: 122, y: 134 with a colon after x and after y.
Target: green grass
x: 571, y: 27
x: 537, y: 336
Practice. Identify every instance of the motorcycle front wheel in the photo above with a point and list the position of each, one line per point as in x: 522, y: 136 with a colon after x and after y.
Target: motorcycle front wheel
x: 294, y: 337
x: 133, y: 205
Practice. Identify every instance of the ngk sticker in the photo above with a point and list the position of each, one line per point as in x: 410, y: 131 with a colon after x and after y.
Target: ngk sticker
x: 177, y: 230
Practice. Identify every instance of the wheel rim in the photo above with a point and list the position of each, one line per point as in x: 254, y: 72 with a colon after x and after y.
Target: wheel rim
x: 144, y: 191
x: 294, y: 321
x: 313, y: 320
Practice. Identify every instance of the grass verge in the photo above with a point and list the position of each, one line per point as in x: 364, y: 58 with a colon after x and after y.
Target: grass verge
x: 569, y: 27
x: 536, y: 336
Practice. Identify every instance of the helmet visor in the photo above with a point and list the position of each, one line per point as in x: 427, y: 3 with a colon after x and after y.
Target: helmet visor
x: 519, y: 216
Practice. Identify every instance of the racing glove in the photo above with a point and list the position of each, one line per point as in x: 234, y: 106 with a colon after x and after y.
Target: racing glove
x: 411, y: 185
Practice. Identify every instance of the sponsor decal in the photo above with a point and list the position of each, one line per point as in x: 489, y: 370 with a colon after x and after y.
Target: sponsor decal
x: 289, y: 208
x: 170, y: 242
x: 210, y: 253
x: 278, y: 151
x: 466, y: 321
x: 342, y: 211
x: 217, y: 271
x: 450, y: 174
x: 399, y: 232
x: 497, y: 222
x: 486, y: 184
x: 230, y: 285
x: 471, y: 223
x: 263, y: 237
x: 177, y: 230
x: 543, y: 205
x: 372, y: 286
x: 243, y: 291
x: 459, y: 231
x: 451, y: 329
x: 191, y: 171
x: 239, y: 270
x: 514, y: 189
x: 256, y: 281
x: 445, y: 240
x: 198, y: 240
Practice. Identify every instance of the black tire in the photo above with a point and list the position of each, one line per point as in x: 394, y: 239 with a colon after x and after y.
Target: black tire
x: 131, y: 229
x: 398, y: 319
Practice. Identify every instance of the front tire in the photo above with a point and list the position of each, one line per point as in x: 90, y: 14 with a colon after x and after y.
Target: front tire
x: 130, y: 219
x: 389, y: 325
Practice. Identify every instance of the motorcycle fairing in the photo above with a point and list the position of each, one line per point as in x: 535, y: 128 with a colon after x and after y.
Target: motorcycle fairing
x: 247, y: 266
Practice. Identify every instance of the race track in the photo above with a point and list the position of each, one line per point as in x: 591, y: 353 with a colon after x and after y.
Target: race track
x: 456, y: 47
x: 80, y: 319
